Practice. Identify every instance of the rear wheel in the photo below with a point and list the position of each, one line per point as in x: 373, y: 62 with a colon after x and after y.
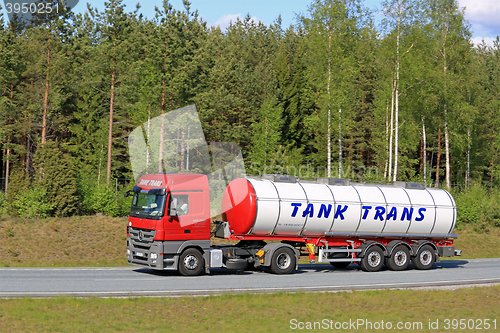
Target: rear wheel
x: 283, y: 261
x: 373, y: 259
x: 425, y: 258
x: 399, y: 259
x: 191, y: 262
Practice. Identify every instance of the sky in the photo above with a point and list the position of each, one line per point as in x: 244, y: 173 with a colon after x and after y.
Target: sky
x: 483, y: 15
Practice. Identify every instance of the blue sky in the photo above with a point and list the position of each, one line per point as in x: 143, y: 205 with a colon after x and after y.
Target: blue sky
x: 482, y: 14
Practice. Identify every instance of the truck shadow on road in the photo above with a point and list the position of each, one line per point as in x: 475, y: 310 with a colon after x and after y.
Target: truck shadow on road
x: 213, y: 271
x: 355, y: 267
x: 450, y: 264
x: 305, y: 268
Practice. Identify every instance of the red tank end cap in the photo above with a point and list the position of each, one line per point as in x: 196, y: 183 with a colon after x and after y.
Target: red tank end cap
x: 239, y: 205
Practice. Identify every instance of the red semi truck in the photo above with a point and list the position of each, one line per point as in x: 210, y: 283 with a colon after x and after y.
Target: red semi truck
x: 276, y: 217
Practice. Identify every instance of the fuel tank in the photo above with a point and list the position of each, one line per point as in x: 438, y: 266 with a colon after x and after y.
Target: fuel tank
x: 302, y: 208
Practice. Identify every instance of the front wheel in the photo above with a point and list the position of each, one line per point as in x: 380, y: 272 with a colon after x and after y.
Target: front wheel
x: 191, y: 262
x: 283, y: 261
x: 373, y: 259
x: 425, y: 258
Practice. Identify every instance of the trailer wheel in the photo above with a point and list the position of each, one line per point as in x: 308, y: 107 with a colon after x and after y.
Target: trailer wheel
x: 373, y: 259
x: 283, y: 261
x: 425, y: 258
x: 191, y: 262
x: 399, y: 259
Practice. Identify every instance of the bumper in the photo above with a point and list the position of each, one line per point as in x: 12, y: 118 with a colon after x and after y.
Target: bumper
x: 152, y: 256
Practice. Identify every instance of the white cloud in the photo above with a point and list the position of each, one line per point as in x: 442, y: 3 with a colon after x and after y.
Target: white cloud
x: 483, y: 14
x: 225, y: 20
x: 479, y: 40
x: 486, y: 11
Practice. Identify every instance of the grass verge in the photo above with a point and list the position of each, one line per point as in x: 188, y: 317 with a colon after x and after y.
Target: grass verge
x: 75, y: 241
x: 478, y: 244
x: 415, y: 310
x: 101, y: 241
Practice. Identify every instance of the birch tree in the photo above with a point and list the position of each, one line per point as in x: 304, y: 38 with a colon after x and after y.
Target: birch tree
x: 400, y: 17
x: 451, y: 35
x: 332, y: 28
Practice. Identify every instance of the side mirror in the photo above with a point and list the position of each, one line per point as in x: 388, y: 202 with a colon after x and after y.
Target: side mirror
x: 127, y: 194
x: 172, y: 210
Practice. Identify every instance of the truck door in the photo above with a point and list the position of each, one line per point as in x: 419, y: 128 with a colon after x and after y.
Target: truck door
x: 191, y: 220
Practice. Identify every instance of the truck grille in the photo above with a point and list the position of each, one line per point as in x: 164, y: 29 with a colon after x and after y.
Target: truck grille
x: 141, y: 236
x: 141, y: 239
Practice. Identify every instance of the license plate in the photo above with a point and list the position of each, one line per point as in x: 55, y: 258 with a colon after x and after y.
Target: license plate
x: 140, y: 254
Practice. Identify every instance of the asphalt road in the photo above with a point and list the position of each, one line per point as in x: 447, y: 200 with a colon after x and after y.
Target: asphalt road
x: 136, y: 281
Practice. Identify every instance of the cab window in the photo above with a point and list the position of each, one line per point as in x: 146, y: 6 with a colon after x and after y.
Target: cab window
x: 182, y: 204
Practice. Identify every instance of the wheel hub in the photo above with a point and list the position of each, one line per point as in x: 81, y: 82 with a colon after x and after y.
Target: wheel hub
x: 400, y: 258
x: 374, y: 259
x: 283, y: 261
x: 191, y: 262
x: 425, y: 257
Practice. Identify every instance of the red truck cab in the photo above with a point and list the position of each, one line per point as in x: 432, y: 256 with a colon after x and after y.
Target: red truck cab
x: 170, y: 213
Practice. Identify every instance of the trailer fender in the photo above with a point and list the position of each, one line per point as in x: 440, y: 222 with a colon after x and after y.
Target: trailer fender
x: 270, y: 248
x: 416, y: 247
x: 366, y: 245
x: 390, y: 247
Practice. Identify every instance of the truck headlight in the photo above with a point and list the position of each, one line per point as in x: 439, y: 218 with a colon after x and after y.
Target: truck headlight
x: 154, y: 256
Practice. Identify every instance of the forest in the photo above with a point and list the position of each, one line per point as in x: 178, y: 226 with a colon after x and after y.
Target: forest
x: 334, y: 94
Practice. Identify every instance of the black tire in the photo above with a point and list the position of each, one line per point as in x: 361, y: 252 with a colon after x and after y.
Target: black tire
x: 373, y: 259
x: 340, y: 264
x: 283, y: 261
x: 399, y: 259
x: 191, y: 262
x: 425, y: 258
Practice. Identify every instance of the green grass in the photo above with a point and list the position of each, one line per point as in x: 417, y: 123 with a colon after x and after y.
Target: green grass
x: 478, y: 243
x: 75, y: 241
x: 252, y: 313
x: 100, y: 241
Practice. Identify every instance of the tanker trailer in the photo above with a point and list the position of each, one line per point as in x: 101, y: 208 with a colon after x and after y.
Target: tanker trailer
x: 371, y: 224
x: 277, y: 218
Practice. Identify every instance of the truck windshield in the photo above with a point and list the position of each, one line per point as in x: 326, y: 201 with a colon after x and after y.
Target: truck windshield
x: 151, y: 205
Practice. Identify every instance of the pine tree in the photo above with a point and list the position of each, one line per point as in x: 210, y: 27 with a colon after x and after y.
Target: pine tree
x: 57, y: 178
x: 9, y: 79
x: 294, y: 94
x: 18, y: 185
x: 266, y: 142
x: 239, y: 79
x: 115, y: 26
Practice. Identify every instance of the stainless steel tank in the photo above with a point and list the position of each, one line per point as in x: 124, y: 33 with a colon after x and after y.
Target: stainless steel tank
x: 265, y: 207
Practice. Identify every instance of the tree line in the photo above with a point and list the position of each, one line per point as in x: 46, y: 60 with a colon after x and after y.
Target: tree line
x: 331, y: 95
